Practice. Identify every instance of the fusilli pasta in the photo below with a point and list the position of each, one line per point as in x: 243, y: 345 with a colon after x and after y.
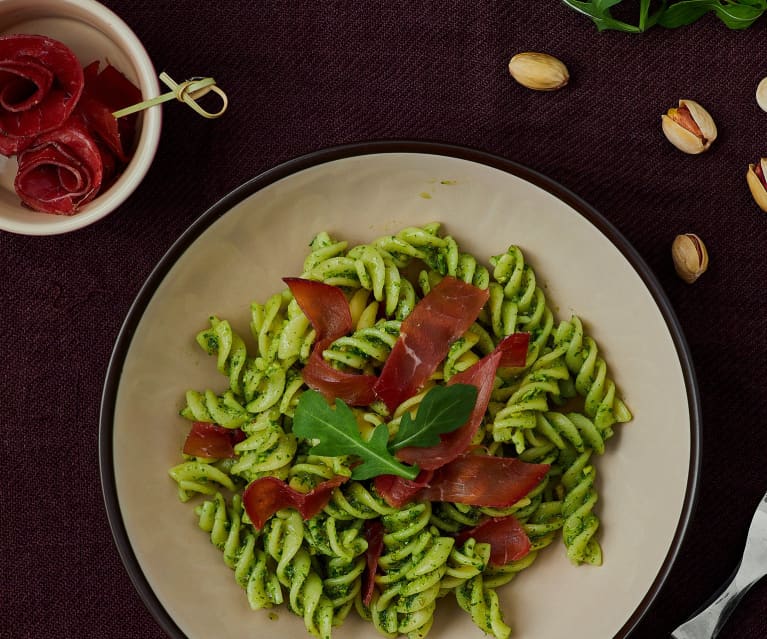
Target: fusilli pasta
x: 558, y: 409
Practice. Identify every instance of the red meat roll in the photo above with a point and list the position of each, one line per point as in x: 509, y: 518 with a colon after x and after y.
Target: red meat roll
x: 61, y: 170
x: 41, y: 81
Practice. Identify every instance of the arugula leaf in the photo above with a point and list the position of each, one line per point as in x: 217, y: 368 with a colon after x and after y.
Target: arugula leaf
x: 442, y: 410
x: 338, y: 434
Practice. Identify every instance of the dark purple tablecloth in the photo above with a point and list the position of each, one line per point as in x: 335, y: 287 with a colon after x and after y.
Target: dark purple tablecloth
x: 306, y: 75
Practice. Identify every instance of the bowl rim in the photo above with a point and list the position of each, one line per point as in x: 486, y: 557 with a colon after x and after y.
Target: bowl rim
x: 108, y: 22
x: 345, y: 151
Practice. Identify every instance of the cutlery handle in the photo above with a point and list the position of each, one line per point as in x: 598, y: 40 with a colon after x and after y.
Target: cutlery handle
x: 709, y: 621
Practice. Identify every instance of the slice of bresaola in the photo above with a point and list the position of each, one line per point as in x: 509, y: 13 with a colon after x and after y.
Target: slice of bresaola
x: 440, y: 318
x: 61, y: 171
x: 41, y: 82
x: 107, y: 90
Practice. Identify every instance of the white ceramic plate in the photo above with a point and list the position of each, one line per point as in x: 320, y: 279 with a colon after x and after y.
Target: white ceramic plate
x: 238, y: 252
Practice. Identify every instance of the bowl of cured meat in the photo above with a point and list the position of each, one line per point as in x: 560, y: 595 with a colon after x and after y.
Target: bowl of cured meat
x: 66, y: 161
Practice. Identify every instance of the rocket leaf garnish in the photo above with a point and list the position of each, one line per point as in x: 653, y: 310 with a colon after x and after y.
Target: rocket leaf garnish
x: 442, y: 410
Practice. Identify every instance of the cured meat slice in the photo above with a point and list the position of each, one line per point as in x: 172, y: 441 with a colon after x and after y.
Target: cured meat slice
x: 61, y: 171
x: 440, y: 318
x: 105, y: 92
x: 328, y: 311
x: 41, y: 82
x: 211, y: 440
x: 265, y: 496
x: 374, y: 534
x: 512, y: 350
x: 506, y: 536
x: 484, y: 480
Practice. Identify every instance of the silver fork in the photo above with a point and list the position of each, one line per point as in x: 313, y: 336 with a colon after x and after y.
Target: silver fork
x: 753, y: 566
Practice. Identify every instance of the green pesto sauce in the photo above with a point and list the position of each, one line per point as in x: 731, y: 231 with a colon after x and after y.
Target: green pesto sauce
x: 211, y: 342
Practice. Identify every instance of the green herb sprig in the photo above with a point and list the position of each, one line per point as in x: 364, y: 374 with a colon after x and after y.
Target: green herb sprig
x: 442, y: 410
x: 736, y: 14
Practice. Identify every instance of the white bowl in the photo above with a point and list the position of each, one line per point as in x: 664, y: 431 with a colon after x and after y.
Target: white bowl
x: 238, y: 252
x: 93, y: 32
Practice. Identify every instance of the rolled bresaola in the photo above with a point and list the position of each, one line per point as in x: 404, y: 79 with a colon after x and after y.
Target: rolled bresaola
x: 41, y: 81
x: 61, y: 170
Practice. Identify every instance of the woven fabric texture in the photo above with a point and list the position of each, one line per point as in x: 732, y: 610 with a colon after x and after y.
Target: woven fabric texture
x: 302, y: 76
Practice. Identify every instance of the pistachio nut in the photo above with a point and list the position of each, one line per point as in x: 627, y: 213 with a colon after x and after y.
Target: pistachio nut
x: 757, y: 182
x: 761, y: 94
x: 538, y: 71
x: 690, y: 256
x: 689, y: 127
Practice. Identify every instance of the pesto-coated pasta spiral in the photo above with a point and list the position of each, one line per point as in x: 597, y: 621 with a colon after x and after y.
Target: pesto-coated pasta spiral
x: 343, y: 584
x: 600, y: 400
x: 342, y: 545
x: 283, y: 542
x: 464, y: 563
x: 512, y: 290
x: 309, y: 470
x: 451, y: 518
x: 231, y: 353
x: 267, y: 449
x: 333, y: 537
x: 224, y: 410
x: 527, y: 399
x: 366, y: 349
x: 199, y: 477
x: 481, y: 602
x: 240, y: 551
x: 354, y: 501
x: 414, y: 562
x: 580, y: 521
x: 461, y: 355
x: 573, y: 428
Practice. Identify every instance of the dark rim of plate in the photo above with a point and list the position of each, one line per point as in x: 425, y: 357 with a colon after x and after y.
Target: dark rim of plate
x: 220, y: 208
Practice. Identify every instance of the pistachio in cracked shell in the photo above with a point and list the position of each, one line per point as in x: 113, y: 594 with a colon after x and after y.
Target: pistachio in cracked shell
x: 539, y: 71
x: 690, y: 256
x: 757, y: 182
x: 689, y: 127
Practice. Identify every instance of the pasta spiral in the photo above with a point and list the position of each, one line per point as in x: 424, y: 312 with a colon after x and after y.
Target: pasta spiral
x: 591, y: 381
x: 283, y: 542
x: 464, y: 563
x: 366, y: 349
x: 481, y: 602
x: 528, y: 398
x: 355, y: 501
x: 230, y: 535
x: 580, y: 521
x: 414, y: 562
x: 224, y: 410
x: 199, y: 477
x: 267, y: 449
x: 574, y: 428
